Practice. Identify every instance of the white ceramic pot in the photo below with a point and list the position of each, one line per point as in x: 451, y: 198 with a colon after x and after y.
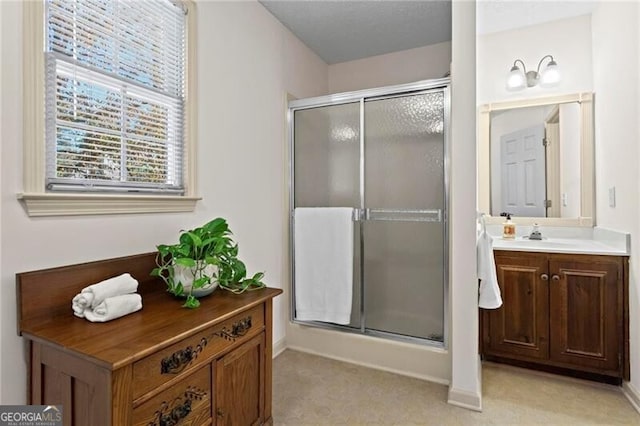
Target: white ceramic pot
x: 185, y: 275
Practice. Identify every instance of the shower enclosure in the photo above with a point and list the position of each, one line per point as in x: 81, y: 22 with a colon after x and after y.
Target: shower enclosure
x: 382, y: 152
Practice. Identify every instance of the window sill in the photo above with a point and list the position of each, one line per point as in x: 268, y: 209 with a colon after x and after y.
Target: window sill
x: 46, y: 204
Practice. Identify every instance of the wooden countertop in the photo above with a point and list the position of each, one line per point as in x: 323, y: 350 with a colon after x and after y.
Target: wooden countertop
x: 161, y: 322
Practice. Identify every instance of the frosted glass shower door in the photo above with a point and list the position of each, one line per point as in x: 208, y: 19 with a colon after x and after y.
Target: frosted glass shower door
x: 326, y: 146
x: 404, y: 231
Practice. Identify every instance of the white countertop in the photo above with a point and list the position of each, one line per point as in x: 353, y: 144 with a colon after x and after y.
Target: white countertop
x: 596, y: 241
x: 559, y: 245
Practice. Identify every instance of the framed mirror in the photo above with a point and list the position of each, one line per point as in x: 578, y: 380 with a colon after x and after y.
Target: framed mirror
x: 536, y: 160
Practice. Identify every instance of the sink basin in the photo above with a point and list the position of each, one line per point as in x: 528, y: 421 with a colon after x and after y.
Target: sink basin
x: 547, y: 242
x: 552, y: 245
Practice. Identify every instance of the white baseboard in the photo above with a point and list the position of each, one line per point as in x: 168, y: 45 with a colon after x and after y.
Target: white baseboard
x: 279, y: 347
x: 465, y: 399
x: 632, y: 395
x: 372, y: 366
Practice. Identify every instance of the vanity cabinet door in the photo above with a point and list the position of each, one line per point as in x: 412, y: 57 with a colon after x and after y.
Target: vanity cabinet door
x: 520, y: 327
x: 586, y: 315
x: 240, y: 390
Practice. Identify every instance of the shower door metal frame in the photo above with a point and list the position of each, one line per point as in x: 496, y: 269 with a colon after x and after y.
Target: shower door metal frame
x: 360, y: 97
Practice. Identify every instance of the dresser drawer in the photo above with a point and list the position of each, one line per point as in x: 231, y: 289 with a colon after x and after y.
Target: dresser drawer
x: 191, y: 352
x: 187, y: 402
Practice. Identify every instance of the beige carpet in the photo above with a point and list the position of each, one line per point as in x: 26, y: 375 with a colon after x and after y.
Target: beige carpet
x: 311, y: 390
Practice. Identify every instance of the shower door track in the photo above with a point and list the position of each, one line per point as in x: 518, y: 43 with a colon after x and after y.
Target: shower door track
x: 361, y: 214
x: 369, y: 94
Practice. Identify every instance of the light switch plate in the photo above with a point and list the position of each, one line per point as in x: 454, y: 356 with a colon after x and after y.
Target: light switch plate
x: 612, y: 196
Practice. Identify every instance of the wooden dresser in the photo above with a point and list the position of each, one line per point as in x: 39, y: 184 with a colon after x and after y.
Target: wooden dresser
x: 162, y: 366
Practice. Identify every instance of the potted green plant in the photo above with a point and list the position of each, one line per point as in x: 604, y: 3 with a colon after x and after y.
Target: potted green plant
x: 204, y: 258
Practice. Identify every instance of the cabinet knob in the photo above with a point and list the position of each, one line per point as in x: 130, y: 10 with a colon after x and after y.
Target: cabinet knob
x: 220, y: 413
x: 544, y: 277
x: 555, y: 277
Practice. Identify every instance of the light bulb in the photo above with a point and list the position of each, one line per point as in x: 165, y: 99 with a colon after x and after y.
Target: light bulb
x: 550, y: 76
x: 515, y: 79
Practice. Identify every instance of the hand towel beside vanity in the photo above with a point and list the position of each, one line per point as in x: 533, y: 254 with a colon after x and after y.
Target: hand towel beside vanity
x: 489, y: 297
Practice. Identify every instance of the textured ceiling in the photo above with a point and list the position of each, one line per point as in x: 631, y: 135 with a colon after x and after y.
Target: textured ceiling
x: 502, y: 15
x: 344, y: 30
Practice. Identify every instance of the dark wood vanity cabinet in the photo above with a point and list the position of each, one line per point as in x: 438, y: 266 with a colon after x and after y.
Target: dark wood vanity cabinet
x: 521, y: 326
x: 566, y: 312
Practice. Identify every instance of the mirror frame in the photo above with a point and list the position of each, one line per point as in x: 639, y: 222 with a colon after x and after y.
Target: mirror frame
x: 587, y: 170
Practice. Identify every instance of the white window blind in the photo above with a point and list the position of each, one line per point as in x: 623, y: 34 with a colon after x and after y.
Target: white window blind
x: 115, y: 95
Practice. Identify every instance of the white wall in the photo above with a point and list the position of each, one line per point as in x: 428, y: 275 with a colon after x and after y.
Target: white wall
x: 247, y: 62
x: 405, y: 66
x: 617, y: 106
x: 568, y: 40
x: 3, y: 58
x: 251, y: 61
x: 465, y: 389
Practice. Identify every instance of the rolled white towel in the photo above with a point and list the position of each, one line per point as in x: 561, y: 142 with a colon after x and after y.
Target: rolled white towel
x: 78, y: 310
x: 114, y: 307
x: 95, y: 294
x: 83, y: 300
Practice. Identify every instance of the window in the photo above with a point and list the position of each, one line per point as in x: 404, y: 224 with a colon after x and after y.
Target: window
x: 115, y: 110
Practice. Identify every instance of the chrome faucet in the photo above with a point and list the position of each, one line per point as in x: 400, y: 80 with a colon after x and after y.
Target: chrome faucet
x: 535, y: 232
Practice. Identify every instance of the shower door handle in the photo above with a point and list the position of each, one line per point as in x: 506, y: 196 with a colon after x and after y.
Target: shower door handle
x: 360, y: 215
x: 404, y: 215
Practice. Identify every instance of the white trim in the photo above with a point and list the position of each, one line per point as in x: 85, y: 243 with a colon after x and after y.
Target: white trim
x: 405, y: 373
x: 632, y: 395
x: 587, y: 171
x: 191, y: 106
x: 36, y: 200
x: 465, y: 399
x: 33, y: 90
x: 279, y: 347
x: 59, y: 204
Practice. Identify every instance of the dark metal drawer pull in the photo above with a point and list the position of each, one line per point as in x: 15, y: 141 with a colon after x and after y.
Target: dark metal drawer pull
x: 238, y: 329
x: 172, y: 414
x: 179, y: 360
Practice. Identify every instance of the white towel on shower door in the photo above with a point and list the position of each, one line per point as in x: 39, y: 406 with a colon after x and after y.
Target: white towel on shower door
x: 323, y: 250
x: 490, y: 297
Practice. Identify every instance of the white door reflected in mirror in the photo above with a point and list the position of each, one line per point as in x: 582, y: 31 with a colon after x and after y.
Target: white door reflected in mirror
x: 535, y: 161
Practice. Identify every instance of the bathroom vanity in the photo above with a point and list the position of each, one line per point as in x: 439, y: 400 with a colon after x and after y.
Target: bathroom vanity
x: 563, y: 311
x: 565, y: 298
x: 164, y: 365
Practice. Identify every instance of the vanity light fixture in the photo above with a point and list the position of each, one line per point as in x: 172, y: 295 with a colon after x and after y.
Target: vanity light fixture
x: 518, y: 79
